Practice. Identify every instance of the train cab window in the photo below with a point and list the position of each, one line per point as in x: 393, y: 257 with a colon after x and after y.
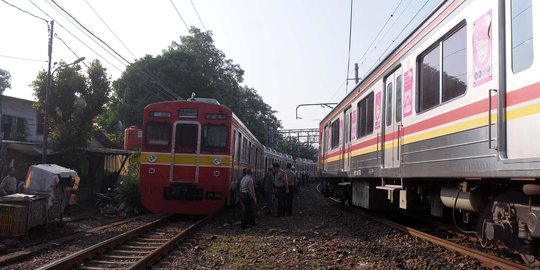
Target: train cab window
x: 335, y: 134
x: 215, y: 136
x: 398, y: 98
x: 522, y: 35
x: 365, y: 116
x: 438, y: 82
x: 158, y: 134
x: 186, y: 138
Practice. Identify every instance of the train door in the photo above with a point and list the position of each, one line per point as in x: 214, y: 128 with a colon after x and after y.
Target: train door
x: 522, y: 86
x: 185, y: 152
x: 392, y: 119
x: 346, y: 153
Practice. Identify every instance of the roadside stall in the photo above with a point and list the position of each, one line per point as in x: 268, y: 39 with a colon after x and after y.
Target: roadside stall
x: 47, y: 191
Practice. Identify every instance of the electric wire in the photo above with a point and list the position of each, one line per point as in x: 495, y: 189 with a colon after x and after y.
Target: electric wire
x: 22, y: 58
x: 398, y: 35
x: 153, y: 80
x: 179, y: 15
x: 69, y: 48
x: 106, y: 25
x: 198, y: 16
x: 380, y: 31
x: 22, y: 10
x: 349, y: 53
x: 77, y: 38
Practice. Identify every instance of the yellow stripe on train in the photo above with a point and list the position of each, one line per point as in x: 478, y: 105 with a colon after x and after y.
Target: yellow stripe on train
x: 516, y: 113
x: 183, y: 159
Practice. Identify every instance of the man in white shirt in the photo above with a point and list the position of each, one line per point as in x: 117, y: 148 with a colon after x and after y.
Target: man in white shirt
x: 249, y: 199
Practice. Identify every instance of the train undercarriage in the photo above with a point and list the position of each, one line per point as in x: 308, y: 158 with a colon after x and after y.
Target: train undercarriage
x: 498, y: 211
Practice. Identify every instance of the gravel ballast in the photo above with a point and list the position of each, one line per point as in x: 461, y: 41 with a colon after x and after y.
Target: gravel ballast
x: 318, y: 236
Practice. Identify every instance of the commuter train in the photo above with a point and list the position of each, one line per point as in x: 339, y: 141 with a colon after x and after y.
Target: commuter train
x: 447, y: 125
x: 193, y: 153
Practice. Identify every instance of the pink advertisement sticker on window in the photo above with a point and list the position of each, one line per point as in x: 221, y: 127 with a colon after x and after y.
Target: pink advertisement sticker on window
x: 353, y: 125
x: 378, y: 112
x: 407, y: 93
x: 481, y: 46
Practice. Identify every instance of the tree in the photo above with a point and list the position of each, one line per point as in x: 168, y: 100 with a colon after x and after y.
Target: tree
x: 193, y: 65
x: 75, y: 100
x: 5, y: 78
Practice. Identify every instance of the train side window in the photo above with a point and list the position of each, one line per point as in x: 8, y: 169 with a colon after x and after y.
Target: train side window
x: 398, y: 98
x: 522, y: 35
x: 389, y: 91
x: 365, y: 116
x: 215, y: 136
x: 335, y: 134
x: 158, y: 133
x: 441, y: 82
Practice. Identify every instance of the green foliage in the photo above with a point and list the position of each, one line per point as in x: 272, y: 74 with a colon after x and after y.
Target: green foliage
x: 5, y: 78
x: 193, y: 65
x: 291, y: 145
x: 128, y: 185
x: 75, y: 100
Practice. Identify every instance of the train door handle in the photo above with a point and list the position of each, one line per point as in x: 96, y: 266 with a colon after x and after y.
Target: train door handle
x: 399, y: 128
x: 489, y: 118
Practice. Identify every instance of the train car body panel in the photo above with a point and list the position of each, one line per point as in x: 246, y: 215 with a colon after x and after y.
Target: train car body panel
x: 452, y: 109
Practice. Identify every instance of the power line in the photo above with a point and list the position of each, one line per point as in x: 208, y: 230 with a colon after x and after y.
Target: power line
x: 77, y: 38
x: 35, y: 16
x: 153, y: 80
x: 200, y: 20
x: 69, y: 48
x: 22, y: 58
x: 178, y: 12
x: 380, y: 31
x: 349, y: 53
x: 103, y: 21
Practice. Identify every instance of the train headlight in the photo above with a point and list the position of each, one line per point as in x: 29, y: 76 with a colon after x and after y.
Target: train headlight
x: 217, y: 161
x: 152, y: 158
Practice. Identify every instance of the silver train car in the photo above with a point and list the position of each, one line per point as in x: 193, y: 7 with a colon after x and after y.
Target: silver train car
x: 446, y: 125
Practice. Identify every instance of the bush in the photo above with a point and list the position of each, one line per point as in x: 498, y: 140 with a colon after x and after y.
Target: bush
x: 128, y: 188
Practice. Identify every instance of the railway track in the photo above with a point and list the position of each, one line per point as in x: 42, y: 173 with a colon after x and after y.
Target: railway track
x: 486, y: 259
x: 136, y: 249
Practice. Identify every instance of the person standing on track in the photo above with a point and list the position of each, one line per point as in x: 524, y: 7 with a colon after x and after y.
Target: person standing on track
x: 282, y: 188
x: 269, y: 191
x: 291, y: 180
x: 249, y: 199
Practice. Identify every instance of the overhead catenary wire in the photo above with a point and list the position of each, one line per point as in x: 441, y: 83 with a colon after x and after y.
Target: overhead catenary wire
x: 380, y: 31
x: 198, y: 16
x: 399, y: 34
x: 179, y: 15
x: 106, y: 25
x: 27, y: 12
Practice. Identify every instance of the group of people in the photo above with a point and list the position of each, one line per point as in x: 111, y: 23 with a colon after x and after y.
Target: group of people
x: 278, y: 183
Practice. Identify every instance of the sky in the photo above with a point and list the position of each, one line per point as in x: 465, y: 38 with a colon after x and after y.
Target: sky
x: 292, y: 51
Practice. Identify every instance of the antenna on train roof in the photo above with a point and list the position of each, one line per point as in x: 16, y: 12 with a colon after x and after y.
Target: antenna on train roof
x: 192, y: 98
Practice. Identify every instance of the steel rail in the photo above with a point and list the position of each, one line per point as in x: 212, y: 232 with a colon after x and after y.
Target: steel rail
x: 92, y: 251
x: 156, y: 254
x: 488, y: 260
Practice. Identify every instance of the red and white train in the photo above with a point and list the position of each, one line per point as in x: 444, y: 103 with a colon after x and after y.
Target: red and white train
x: 447, y: 124
x: 192, y: 154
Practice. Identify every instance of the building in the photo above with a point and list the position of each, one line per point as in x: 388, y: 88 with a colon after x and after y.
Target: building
x: 19, y: 120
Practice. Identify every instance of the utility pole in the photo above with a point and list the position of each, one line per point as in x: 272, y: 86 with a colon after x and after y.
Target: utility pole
x: 356, y: 78
x: 47, y: 89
